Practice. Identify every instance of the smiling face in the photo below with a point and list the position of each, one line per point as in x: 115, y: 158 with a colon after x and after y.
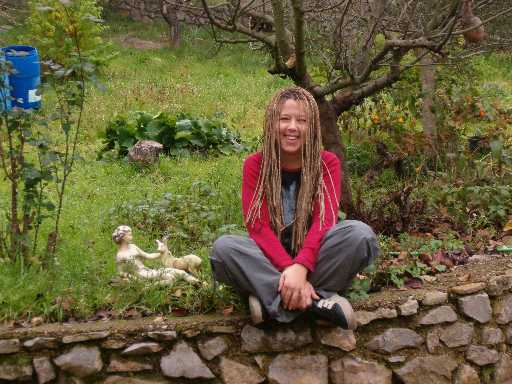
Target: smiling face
x: 292, y: 131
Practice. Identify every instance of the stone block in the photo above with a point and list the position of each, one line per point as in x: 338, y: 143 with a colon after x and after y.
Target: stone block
x: 492, y: 336
x: 477, y: 307
x: 163, y: 335
x: 457, y: 335
x: 338, y: 338
x: 213, y: 347
x: 466, y: 374
x: 182, y: 361
x: 9, y: 346
x: 503, y: 309
x: 44, y: 369
x: 13, y: 371
x: 499, y: 284
x: 395, y: 339
x: 351, y: 370
x: 121, y: 364
x: 233, y: 372
x: 481, y: 355
x: 80, y: 361
x: 409, y: 308
x: 279, y: 339
x: 433, y: 340
x: 366, y: 317
x: 503, y: 372
x: 39, y: 343
x: 293, y: 369
x: 80, y: 337
x: 435, y: 298
x: 142, y: 349
x: 468, y: 289
x: 428, y: 369
x: 443, y: 314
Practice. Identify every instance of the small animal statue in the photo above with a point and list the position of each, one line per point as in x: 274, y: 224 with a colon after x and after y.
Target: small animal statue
x: 130, y: 266
x: 477, y: 34
x: 188, y: 263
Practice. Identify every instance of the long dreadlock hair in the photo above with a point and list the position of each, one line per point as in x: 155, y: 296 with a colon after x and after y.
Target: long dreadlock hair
x: 269, y: 180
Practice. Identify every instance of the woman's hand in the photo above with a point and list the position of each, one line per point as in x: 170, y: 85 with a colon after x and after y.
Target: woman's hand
x: 296, y: 291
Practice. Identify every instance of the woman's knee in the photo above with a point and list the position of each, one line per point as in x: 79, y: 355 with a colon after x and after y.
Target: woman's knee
x: 222, y: 247
x: 362, y: 231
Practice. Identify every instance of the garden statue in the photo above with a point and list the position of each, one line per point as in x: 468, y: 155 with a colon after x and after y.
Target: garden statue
x: 189, y: 263
x: 129, y: 264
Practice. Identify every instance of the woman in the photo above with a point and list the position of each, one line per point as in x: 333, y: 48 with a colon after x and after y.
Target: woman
x: 296, y: 257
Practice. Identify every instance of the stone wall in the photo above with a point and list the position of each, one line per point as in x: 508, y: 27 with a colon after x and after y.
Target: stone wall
x: 141, y: 10
x: 457, y: 329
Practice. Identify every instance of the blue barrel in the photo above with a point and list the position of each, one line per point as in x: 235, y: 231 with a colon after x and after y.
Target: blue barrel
x: 5, y: 93
x: 25, y: 77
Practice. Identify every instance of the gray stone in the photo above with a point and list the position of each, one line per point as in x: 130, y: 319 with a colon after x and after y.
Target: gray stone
x: 9, y: 346
x: 428, y: 369
x: 503, y: 310
x: 163, y: 335
x: 80, y: 337
x: 366, y: 317
x: 499, y: 284
x: 351, y: 370
x: 338, y: 338
x: 294, y: 369
x: 114, y: 343
x: 508, y: 335
x: 233, y: 372
x: 184, y: 362
x: 229, y: 329
x: 132, y: 380
x: 433, y: 340
x: 435, y: 298
x: 44, y: 369
x: 409, y: 308
x: 443, y: 314
x: 80, y: 361
x: 142, y: 349
x: 63, y: 378
x: 120, y: 364
x: 466, y: 374
x: 145, y: 152
x: 39, y: 343
x: 276, y: 340
x: 11, y: 372
x: 213, y: 347
x: 457, y: 335
x: 468, y: 289
x: 395, y: 339
x: 503, y: 373
x: 396, y: 359
x: 481, y: 355
x: 477, y: 307
x: 492, y: 336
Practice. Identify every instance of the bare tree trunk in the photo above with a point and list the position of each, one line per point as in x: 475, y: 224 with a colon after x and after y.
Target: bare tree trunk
x: 170, y: 15
x: 331, y: 141
x: 428, y: 87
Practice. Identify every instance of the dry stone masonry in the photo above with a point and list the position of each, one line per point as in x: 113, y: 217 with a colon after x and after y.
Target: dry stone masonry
x: 444, y: 333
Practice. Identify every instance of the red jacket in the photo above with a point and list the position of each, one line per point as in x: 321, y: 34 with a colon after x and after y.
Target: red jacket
x: 261, y: 231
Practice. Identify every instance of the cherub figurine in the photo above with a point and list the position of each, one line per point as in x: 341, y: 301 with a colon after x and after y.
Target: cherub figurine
x: 129, y: 264
x: 189, y: 263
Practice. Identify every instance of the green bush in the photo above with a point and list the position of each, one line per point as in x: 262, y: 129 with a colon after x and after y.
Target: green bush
x: 180, y: 134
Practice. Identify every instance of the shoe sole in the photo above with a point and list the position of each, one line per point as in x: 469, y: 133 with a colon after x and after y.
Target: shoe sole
x: 350, y: 315
x: 255, y: 310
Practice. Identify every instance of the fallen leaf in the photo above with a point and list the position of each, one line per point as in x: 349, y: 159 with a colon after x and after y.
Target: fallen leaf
x: 228, y: 310
x: 508, y: 227
x: 413, y: 282
x: 35, y: 321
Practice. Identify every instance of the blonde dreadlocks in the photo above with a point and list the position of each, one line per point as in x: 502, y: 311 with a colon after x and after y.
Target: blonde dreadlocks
x: 269, y: 180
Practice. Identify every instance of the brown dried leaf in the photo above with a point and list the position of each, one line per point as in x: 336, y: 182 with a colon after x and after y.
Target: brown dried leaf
x: 228, y: 310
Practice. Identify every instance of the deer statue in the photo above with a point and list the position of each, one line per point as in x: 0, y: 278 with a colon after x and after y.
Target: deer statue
x: 477, y: 32
x: 188, y: 263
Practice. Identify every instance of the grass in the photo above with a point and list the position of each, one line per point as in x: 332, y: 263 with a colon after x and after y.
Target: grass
x: 198, y: 79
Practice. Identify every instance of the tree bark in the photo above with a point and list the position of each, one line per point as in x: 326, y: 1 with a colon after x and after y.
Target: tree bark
x: 170, y: 16
x: 331, y: 141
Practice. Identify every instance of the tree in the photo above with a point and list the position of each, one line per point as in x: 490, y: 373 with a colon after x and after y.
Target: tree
x: 343, y: 51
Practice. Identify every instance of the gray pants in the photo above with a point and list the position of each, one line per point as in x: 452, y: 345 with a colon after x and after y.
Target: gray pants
x: 346, y: 249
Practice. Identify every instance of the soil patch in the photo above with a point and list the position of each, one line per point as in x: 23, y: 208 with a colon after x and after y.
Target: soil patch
x: 135, y: 42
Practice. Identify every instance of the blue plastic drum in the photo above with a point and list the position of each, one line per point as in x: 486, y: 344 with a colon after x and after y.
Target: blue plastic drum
x: 26, y: 76
x: 5, y: 93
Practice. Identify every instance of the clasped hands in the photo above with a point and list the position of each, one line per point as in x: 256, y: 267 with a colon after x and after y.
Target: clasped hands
x: 296, y: 291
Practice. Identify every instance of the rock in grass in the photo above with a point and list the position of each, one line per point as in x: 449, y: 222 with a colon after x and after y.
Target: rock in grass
x: 145, y: 152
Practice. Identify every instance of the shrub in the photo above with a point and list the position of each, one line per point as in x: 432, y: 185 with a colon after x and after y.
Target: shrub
x: 180, y: 134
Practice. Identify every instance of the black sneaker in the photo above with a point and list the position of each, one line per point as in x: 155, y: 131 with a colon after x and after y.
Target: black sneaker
x: 337, y: 310
x: 256, y: 310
